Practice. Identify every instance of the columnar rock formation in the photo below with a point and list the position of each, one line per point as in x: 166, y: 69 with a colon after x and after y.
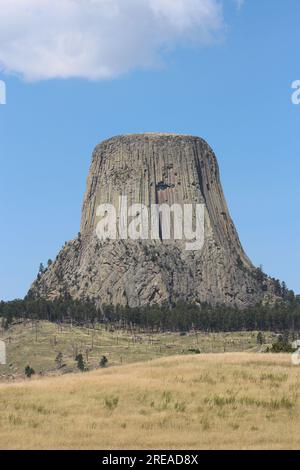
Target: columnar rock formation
x: 154, y: 169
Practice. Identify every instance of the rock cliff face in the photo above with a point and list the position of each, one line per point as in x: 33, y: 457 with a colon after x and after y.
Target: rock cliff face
x: 155, y: 169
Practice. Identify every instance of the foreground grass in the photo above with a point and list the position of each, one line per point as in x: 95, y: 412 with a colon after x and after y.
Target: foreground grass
x: 213, y: 401
x: 38, y: 344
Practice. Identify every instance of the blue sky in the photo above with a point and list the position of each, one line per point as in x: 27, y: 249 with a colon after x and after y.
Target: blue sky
x: 231, y: 85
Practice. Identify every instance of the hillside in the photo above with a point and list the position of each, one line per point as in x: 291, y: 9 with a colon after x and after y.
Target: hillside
x: 37, y: 343
x: 219, y: 401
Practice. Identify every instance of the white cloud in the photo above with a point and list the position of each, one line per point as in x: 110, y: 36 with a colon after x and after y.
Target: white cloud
x: 96, y: 39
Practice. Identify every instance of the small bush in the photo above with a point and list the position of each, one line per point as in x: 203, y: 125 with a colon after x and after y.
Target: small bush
x: 282, y: 345
x: 111, y: 403
x: 59, y: 360
x: 29, y: 371
x: 15, y: 420
x: 80, y: 362
x: 194, y: 351
x: 103, y: 361
x: 260, y: 339
x: 167, y: 397
x: 180, y: 407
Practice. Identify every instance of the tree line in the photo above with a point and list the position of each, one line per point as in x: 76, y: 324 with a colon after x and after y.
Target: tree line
x: 282, y: 316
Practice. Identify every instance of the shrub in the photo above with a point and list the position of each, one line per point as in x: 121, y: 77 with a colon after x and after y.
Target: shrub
x: 282, y: 345
x: 103, y: 361
x: 180, y: 407
x: 111, y: 403
x: 29, y: 371
x: 260, y: 338
x: 194, y: 351
x: 80, y: 362
x: 59, y: 360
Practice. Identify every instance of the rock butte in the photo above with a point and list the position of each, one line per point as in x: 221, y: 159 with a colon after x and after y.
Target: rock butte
x: 150, y: 169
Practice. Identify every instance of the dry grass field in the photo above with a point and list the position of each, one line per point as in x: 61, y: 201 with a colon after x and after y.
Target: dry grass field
x: 207, y: 401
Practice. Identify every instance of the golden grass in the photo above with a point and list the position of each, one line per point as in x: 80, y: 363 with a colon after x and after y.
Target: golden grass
x: 212, y: 401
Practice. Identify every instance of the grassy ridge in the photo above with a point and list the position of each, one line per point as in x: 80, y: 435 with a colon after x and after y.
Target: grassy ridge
x: 214, y: 401
x: 38, y: 343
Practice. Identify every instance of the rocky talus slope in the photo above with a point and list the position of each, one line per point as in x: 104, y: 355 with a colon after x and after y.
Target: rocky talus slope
x: 155, y: 169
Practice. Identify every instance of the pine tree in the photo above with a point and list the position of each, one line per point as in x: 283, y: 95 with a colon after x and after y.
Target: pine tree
x: 103, y: 361
x: 260, y: 338
x: 80, y: 362
x: 59, y: 360
x: 29, y: 371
